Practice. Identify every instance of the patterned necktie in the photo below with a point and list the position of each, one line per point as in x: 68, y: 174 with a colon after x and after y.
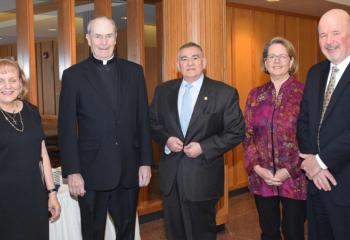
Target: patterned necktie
x: 186, y: 109
x: 326, y: 99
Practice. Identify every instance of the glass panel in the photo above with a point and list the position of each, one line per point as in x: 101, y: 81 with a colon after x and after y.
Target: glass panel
x: 45, y: 34
x: 8, y: 34
x: 83, y: 14
x: 153, y: 77
x: 119, y: 15
x: 48, y: 82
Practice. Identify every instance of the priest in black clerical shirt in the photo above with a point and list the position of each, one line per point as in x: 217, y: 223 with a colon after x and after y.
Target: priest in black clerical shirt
x: 104, y: 134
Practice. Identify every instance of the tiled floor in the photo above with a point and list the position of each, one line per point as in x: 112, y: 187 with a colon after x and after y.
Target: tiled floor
x: 242, y: 225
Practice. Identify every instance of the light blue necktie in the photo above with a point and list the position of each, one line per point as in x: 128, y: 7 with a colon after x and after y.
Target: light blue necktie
x: 186, y: 110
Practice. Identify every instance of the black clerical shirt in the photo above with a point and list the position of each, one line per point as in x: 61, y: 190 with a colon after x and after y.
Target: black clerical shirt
x: 108, y: 78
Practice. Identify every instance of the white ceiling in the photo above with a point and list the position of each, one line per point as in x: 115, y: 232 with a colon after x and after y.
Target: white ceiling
x: 305, y: 7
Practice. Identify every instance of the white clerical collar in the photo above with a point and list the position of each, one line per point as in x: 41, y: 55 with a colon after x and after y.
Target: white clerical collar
x: 104, y: 62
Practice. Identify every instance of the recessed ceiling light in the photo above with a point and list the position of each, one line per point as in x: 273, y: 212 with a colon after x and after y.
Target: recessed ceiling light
x: 272, y: 0
x: 52, y: 29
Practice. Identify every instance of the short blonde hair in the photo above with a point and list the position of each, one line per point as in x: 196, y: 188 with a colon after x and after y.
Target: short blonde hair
x: 290, y: 50
x: 6, y: 64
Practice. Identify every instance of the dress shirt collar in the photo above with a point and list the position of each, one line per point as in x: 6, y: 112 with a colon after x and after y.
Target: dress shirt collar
x: 197, y: 84
x: 341, y: 66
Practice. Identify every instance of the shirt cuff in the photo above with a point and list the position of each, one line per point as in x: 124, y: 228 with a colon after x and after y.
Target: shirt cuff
x: 167, y: 150
x: 320, y: 162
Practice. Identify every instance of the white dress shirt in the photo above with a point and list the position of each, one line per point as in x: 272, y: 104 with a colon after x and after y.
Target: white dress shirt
x: 194, y: 91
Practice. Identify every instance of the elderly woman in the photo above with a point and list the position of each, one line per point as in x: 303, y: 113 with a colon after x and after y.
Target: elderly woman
x: 271, y: 148
x: 25, y: 200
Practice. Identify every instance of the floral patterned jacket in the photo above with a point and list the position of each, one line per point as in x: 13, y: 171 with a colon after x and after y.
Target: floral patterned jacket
x: 271, y: 141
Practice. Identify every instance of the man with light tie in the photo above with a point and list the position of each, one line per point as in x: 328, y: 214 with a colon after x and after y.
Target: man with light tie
x: 324, y: 132
x: 195, y: 120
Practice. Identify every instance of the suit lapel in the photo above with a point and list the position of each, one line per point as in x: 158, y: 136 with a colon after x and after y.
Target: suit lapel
x: 172, y: 102
x: 344, y: 80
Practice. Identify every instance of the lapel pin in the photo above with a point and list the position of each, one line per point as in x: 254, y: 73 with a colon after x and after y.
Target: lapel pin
x: 205, y: 98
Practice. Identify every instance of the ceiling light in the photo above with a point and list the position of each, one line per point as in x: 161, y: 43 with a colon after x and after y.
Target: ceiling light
x: 124, y: 18
x: 272, y: 0
x: 343, y: 2
x: 52, y: 29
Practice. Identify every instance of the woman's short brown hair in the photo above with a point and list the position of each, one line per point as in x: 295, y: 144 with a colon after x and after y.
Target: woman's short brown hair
x: 5, y: 65
x: 290, y: 50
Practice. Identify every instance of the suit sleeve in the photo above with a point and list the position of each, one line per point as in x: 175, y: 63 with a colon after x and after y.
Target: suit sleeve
x: 336, y: 154
x: 67, y: 126
x: 159, y: 134
x: 232, y: 133
x: 143, y: 123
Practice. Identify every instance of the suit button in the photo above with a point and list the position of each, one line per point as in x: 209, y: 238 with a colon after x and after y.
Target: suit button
x: 116, y: 143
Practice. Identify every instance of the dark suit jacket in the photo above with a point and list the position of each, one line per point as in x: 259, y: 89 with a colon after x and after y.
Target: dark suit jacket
x: 216, y: 123
x: 335, y: 130
x: 106, y: 143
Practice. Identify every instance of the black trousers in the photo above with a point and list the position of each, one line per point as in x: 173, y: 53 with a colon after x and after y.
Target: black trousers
x: 121, y: 205
x: 293, y: 217
x: 327, y: 220
x: 188, y: 220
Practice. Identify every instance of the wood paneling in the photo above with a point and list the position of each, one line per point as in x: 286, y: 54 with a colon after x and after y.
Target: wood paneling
x: 308, y: 46
x: 151, y: 70
x: 159, y: 37
x: 83, y: 51
x: 248, y: 29
x: 66, y: 35
x: 135, y: 31
x: 56, y: 75
x: 39, y: 78
x: 9, y: 50
x: 103, y: 8
x: 49, y: 85
x: 201, y: 21
x: 49, y: 99
x: 25, y: 45
x: 122, y: 44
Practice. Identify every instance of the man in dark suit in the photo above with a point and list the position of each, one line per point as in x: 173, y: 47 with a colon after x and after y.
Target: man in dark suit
x: 104, y: 134
x: 195, y: 120
x: 324, y: 132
